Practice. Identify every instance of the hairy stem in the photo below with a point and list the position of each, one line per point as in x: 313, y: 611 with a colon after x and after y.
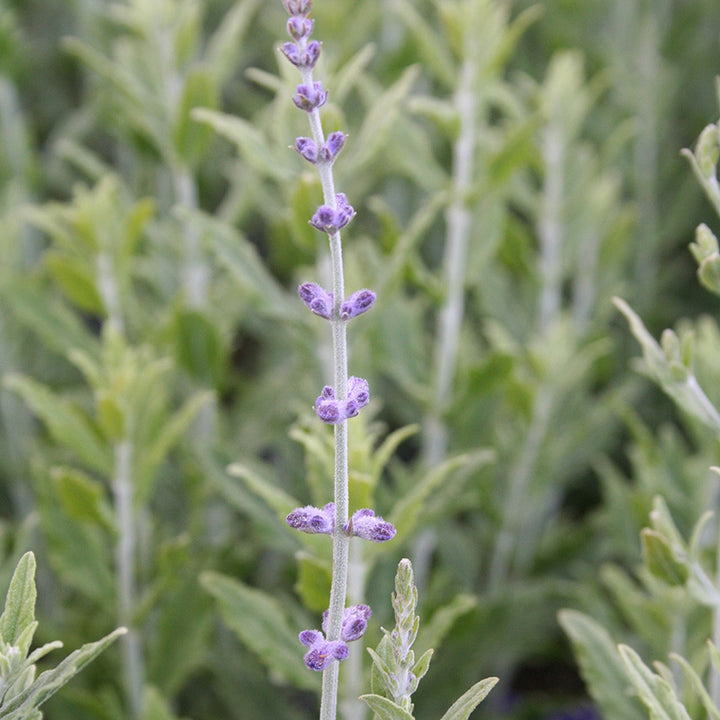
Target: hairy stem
x: 340, y: 542
x: 133, y: 665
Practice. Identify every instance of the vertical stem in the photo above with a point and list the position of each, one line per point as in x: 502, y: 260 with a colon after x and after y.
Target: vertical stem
x: 450, y: 317
x: 125, y: 570
x: 551, y: 225
x: 340, y: 542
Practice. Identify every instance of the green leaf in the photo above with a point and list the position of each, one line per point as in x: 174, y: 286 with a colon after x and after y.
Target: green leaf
x: 190, y: 136
x: 170, y: 434
x: 68, y: 425
x: 466, y: 703
x: 155, y: 707
x: 661, y: 560
x: 49, y: 682
x: 259, y: 621
x: 200, y: 347
x: 19, y: 612
x: 59, y: 328
x: 74, y: 277
x: 313, y: 583
x: 421, y: 667
x: 407, y: 512
x: 600, y: 666
x: 442, y: 620
x: 654, y: 691
x: 385, y: 709
x: 696, y: 682
x: 250, y: 142
x: 82, y: 498
x: 277, y: 499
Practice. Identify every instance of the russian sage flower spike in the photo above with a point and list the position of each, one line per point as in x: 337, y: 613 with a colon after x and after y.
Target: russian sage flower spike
x: 358, y: 303
x: 365, y: 524
x: 331, y: 220
x: 322, y: 652
x: 354, y: 622
x: 313, y: 520
x: 318, y: 300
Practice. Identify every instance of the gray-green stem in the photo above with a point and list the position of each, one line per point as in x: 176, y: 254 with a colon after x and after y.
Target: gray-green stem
x: 122, y: 487
x: 340, y: 541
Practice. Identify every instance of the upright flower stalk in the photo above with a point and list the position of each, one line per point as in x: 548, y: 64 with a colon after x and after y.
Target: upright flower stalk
x: 347, y: 395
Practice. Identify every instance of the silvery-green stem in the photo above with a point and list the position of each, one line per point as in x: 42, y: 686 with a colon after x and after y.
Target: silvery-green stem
x: 340, y: 541
x: 351, y: 707
x: 122, y: 487
x: 450, y: 317
x: 107, y: 286
x: 714, y: 674
x: 550, y: 227
x: 457, y: 218
x: 195, y: 270
x: 518, y: 483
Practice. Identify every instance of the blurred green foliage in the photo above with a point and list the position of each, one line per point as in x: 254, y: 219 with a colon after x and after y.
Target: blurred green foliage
x: 154, y: 228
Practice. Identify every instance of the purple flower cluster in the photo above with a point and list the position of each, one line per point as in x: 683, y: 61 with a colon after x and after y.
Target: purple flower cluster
x: 321, y: 651
x: 331, y: 410
x: 320, y: 301
x: 363, y: 523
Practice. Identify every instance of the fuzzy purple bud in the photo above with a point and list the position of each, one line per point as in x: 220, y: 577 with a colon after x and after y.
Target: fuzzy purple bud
x: 365, y: 524
x: 297, y: 7
x: 321, y: 651
x: 313, y: 520
x: 308, y: 97
x: 358, y: 303
x: 331, y: 220
x: 318, y: 300
x: 299, y: 27
x: 354, y: 622
x: 332, y: 146
x: 307, y: 149
x: 358, y: 390
x: 329, y: 411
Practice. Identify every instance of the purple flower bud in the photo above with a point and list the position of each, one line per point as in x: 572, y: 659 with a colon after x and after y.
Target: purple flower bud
x: 358, y: 303
x: 332, y: 146
x: 297, y: 7
x: 312, y: 520
x: 310, y: 55
x: 358, y: 390
x: 354, y: 622
x: 322, y: 652
x: 329, y: 220
x: 292, y: 52
x: 308, y: 97
x: 299, y: 27
x: 351, y: 408
x: 329, y: 411
x: 318, y: 300
x: 365, y: 524
x: 307, y: 148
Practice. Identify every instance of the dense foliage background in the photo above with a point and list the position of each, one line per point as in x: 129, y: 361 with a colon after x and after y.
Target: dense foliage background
x: 154, y: 229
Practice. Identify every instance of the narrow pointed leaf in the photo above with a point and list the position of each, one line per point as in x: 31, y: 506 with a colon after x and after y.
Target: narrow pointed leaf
x: 461, y: 708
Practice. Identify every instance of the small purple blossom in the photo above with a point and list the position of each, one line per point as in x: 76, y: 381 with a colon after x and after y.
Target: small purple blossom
x: 328, y: 408
x: 332, y: 146
x: 307, y: 149
x: 365, y: 524
x: 331, y: 220
x: 300, y: 27
x: 313, y: 520
x: 308, y: 97
x: 322, y: 652
x: 297, y: 7
x: 358, y: 303
x: 318, y: 300
x: 359, y: 390
x: 354, y: 622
